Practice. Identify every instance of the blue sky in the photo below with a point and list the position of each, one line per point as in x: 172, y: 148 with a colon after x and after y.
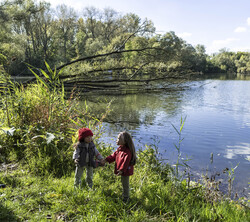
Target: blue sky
x: 215, y: 24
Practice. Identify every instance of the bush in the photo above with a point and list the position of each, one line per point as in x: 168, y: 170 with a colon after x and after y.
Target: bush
x: 39, y: 128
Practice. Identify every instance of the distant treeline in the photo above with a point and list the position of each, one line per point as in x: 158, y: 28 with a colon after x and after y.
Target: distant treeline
x: 31, y: 33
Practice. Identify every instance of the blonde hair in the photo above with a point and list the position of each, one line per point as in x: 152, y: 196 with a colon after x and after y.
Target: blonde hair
x: 128, y: 142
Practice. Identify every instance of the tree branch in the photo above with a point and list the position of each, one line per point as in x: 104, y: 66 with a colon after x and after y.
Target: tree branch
x: 105, y: 54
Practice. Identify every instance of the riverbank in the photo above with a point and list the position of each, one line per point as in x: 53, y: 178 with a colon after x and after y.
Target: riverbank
x: 154, y: 197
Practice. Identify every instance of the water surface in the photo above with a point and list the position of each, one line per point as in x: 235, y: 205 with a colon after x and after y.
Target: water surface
x: 217, y: 113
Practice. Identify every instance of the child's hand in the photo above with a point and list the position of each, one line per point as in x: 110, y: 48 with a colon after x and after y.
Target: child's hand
x: 99, y: 163
x: 103, y: 161
x: 119, y: 173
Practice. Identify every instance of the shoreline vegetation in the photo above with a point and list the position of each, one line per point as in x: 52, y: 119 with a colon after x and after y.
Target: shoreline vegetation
x: 38, y: 130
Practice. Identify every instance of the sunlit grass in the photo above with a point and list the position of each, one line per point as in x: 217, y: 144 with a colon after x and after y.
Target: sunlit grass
x: 153, y: 198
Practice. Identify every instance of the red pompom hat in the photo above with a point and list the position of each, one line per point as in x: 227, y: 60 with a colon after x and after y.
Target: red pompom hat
x: 84, y: 132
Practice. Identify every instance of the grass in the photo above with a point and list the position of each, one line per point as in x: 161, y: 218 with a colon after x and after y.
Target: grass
x: 154, y: 197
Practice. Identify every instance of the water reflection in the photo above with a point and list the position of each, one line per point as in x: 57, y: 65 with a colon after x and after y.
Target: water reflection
x: 241, y: 149
x: 131, y: 111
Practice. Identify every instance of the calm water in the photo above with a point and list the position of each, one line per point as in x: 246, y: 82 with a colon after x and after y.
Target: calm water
x: 217, y: 121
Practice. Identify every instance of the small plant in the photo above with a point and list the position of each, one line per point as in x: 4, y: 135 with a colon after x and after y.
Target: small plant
x: 231, y: 178
x: 51, y: 82
x: 180, y: 161
x: 6, y: 88
x: 212, y: 183
x: 211, y: 187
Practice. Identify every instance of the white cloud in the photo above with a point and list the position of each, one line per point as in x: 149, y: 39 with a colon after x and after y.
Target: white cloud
x: 184, y: 34
x: 223, y: 43
x: 160, y: 32
x: 240, y: 49
x: 248, y: 20
x: 216, y: 45
x: 76, y: 4
x: 240, y: 29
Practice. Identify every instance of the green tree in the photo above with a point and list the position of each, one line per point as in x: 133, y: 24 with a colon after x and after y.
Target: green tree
x: 26, y: 33
x: 65, y: 26
x: 243, y: 62
x: 224, y: 61
x: 201, y: 58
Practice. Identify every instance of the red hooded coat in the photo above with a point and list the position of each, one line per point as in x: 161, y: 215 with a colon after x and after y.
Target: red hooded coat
x: 122, y: 157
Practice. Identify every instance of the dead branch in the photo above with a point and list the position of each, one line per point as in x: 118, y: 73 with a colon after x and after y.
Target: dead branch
x: 106, y: 54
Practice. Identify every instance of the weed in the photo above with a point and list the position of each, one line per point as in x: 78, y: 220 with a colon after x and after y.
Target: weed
x: 181, y: 162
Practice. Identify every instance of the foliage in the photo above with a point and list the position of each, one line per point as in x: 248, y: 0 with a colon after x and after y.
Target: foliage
x: 230, y: 62
x: 32, y: 32
x: 40, y: 125
x: 242, y: 62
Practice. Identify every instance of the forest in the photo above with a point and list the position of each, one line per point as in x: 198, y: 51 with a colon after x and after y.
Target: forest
x: 99, y: 42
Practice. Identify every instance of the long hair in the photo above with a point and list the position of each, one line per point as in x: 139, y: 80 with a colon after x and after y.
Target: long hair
x: 128, y: 142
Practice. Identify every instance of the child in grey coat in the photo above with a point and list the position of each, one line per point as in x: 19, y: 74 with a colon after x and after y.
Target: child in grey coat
x: 84, y: 157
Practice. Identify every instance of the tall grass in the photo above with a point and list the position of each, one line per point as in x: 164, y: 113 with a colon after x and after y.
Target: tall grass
x: 181, y: 162
x: 153, y: 197
x: 41, y: 124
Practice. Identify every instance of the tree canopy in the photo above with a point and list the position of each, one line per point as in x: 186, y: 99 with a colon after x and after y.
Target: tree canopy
x: 32, y: 33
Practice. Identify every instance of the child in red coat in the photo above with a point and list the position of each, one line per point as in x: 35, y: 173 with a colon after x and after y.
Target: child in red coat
x: 125, y: 158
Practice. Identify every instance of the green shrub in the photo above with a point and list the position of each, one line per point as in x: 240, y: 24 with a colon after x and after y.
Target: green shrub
x: 41, y: 125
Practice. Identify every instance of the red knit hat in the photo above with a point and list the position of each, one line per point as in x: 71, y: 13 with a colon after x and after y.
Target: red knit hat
x: 84, y: 132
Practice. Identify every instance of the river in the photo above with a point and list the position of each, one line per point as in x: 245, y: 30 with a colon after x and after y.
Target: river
x: 217, y: 122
